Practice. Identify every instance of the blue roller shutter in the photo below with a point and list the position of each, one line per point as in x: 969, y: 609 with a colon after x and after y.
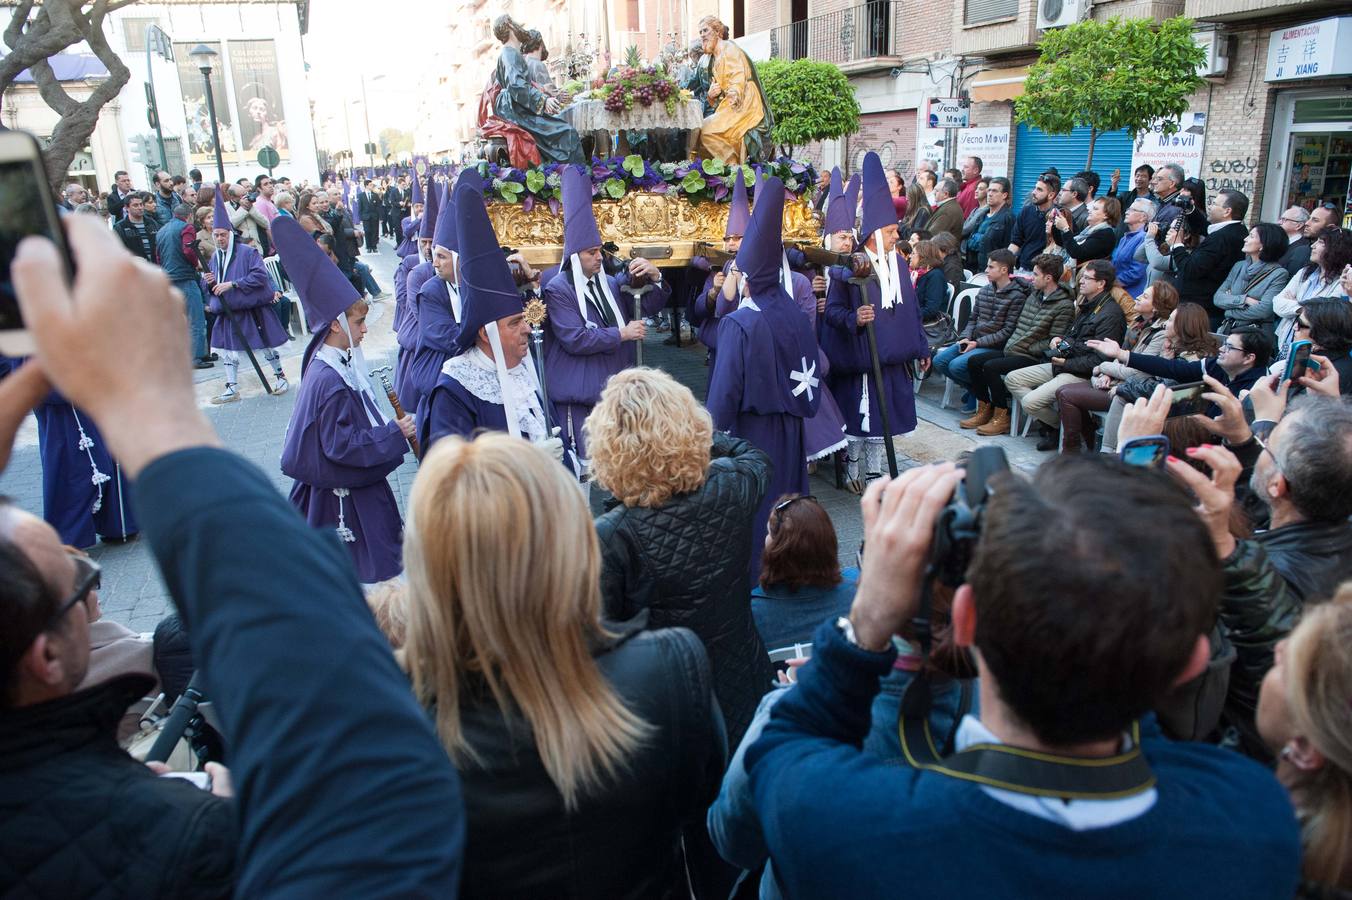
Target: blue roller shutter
x: 1036, y: 151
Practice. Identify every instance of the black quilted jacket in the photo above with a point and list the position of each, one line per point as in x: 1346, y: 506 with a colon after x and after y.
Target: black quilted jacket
x: 82, y: 820
x: 686, y: 562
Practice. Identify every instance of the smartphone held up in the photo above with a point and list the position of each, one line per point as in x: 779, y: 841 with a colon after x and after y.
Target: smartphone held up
x: 26, y: 208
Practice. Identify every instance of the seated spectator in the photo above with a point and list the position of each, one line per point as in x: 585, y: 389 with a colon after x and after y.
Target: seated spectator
x: 917, y: 211
x: 1103, y: 650
x: 1048, y: 311
x: 1147, y: 334
x: 1097, y: 316
x: 1029, y: 237
x: 801, y: 584
x: 344, y: 790
x: 1246, y: 295
x: 1330, y: 253
x: 582, y: 751
x: 694, y: 494
x: 996, y: 228
x: 1096, y: 239
x: 952, y: 265
x: 931, y: 285
x: 1200, y: 272
x: 993, y: 318
x: 1187, y: 335
x: 1327, y: 324
x: 71, y: 799
x: 1241, y: 360
x: 1306, y: 722
x: 1128, y: 257
x: 972, y: 220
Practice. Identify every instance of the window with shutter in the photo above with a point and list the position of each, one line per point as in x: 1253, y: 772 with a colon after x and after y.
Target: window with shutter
x: 978, y: 11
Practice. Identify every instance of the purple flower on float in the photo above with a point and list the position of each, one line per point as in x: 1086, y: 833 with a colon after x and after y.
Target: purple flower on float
x: 554, y: 207
x: 528, y: 203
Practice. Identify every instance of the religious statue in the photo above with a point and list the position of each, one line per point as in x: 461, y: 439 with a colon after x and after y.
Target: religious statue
x: 526, y: 117
x: 738, y: 131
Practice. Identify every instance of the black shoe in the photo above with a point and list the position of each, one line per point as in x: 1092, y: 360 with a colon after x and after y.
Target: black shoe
x: 1049, y: 440
x: 212, y: 356
x: 203, y: 364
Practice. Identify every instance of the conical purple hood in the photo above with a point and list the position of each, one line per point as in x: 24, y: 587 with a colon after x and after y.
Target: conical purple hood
x: 878, y: 210
x: 739, y: 212
x: 427, y: 227
x: 444, y: 234
x: 487, y: 291
x: 219, y: 217
x: 837, y: 218
x: 852, y: 196
x: 324, y: 291
x: 579, y: 221
x: 761, y: 257
x: 416, y: 195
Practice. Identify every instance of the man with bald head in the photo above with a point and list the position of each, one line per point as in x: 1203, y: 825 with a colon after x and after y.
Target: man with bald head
x: 76, y: 797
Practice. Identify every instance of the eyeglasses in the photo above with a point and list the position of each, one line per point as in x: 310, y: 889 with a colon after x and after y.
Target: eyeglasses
x: 1226, y: 348
x: 88, y: 577
x: 1329, y: 206
x: 1293, y: 221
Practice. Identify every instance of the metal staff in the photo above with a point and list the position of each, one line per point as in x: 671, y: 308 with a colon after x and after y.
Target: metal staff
x: 383, y: 373
x: 864, y: 275
x: 535, y: 314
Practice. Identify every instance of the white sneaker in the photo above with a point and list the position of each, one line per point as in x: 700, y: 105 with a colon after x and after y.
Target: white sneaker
x: 229, y: 395
x: 280, y: 386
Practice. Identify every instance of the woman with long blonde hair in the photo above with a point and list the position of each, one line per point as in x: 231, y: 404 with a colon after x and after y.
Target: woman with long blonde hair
x: 1305, y: 717
x: 565, y: 733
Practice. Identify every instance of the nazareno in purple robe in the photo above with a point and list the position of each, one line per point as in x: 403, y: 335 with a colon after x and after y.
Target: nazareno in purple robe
x: 765, y: 384
x: 332, y: 445
x: 451, y: 408
x: 824, y: 433
x: 438, y: 328
x: 406, y: 334
x: 901, y: 340
x: 251, y: 298
x: 581, y: 354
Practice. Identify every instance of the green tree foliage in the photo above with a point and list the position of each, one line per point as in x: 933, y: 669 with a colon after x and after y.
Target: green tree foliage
x: 394, y: 141
x: 1122, y: 73
x: 810, y: 101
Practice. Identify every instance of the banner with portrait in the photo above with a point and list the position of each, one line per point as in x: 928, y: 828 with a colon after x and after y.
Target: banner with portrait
x: 258, y: 97
x: 201, y: 148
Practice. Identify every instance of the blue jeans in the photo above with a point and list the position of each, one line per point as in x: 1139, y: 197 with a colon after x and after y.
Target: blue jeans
x: 197, y: 318
x: 368, y: 281
x: 953, y: 362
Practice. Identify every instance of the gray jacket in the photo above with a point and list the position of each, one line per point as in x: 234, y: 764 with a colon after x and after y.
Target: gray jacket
x: 1237, y: 287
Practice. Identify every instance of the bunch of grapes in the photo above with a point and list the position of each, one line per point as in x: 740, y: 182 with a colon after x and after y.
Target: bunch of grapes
x: 662, y: 89
x: 645, y: 93
x: 617, y: 99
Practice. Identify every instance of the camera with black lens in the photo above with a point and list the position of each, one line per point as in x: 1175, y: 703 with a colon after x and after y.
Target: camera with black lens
x: 1185, y: 205
x: 959, y: 524
x: 1062, y: 347
x: 610, y: 259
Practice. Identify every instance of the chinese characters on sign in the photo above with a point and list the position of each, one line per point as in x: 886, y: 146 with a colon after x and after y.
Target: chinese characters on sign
x: 1313, y: 50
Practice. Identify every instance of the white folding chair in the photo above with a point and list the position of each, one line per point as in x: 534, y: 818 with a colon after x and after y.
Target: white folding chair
x: 968, y: 274
x: 279, y: 280
x: 959, y: 312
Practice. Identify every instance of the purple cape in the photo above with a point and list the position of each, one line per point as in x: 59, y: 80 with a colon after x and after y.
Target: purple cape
x: 252, y: 300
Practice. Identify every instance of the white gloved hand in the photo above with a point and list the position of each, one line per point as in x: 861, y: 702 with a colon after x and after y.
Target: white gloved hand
x: 553, y: 446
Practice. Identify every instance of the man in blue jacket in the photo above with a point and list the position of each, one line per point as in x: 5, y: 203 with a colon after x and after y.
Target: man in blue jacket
x: 1078, y: 630
x: 342, y: 787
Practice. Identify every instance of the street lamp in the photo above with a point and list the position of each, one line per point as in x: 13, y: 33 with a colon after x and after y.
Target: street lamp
x: 204, y: 56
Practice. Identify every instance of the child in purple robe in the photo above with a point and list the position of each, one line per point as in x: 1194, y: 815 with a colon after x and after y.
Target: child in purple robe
x: 239, y: 280
x: 890, y: 304
x: 591, y: 328
x: 765, y: 381
x: 340, y: 446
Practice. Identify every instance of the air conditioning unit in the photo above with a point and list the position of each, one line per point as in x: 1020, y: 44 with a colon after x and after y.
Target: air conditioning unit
x: 1217, y: 47
x: 1059, y: 13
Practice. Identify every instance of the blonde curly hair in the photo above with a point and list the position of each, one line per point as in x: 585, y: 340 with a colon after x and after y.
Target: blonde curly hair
x: 649, y: 438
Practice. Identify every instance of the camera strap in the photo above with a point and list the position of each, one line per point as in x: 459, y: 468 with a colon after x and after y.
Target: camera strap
x: 1014, y: 768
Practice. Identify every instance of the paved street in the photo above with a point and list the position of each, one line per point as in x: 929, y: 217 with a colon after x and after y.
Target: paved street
x: 134, y: 594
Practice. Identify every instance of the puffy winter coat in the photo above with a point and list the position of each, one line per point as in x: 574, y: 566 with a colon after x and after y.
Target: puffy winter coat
x: 686, y: 563
x: 82, y: 819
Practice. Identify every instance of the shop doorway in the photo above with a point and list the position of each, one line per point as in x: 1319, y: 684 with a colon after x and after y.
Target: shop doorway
x: 1311, y: 162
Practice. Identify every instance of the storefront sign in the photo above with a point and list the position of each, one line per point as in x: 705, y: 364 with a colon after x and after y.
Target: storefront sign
x: 1314, y: 50
x: 991, y: 144
x: 1184, y: 147
x: 948, y: 113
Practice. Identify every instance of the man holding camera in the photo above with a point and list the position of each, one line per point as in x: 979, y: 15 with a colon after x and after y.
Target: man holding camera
x: 1072, y: 656
x: 1199, y: 273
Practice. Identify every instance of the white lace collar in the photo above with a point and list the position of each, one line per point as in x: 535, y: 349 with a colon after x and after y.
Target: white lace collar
x: 478, y: 374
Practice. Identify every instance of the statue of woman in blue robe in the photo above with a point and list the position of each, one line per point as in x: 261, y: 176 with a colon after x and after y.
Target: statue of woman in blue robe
x: 520, y: 102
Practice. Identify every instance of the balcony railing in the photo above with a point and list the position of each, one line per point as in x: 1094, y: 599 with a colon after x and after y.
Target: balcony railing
x: 849, y: 35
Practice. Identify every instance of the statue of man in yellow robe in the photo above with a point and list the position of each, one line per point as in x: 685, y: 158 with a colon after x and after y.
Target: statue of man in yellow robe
x: 738, y: 131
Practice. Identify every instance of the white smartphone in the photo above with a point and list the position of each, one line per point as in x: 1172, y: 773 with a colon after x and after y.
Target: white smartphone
x: 26, y: 208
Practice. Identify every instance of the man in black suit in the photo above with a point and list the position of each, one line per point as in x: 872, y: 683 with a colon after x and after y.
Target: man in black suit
x: 393, y: 202
x: 368, y: 210
x: 117, y: 197
x: 1200, y: 272
x: 1297, y: 254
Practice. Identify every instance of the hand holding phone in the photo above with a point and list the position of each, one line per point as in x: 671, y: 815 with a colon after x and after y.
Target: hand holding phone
x: 1298, y: 361
x: 1150, y: 451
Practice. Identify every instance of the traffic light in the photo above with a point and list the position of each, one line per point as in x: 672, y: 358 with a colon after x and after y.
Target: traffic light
x: 152, y: 111
x: 144, y: 151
